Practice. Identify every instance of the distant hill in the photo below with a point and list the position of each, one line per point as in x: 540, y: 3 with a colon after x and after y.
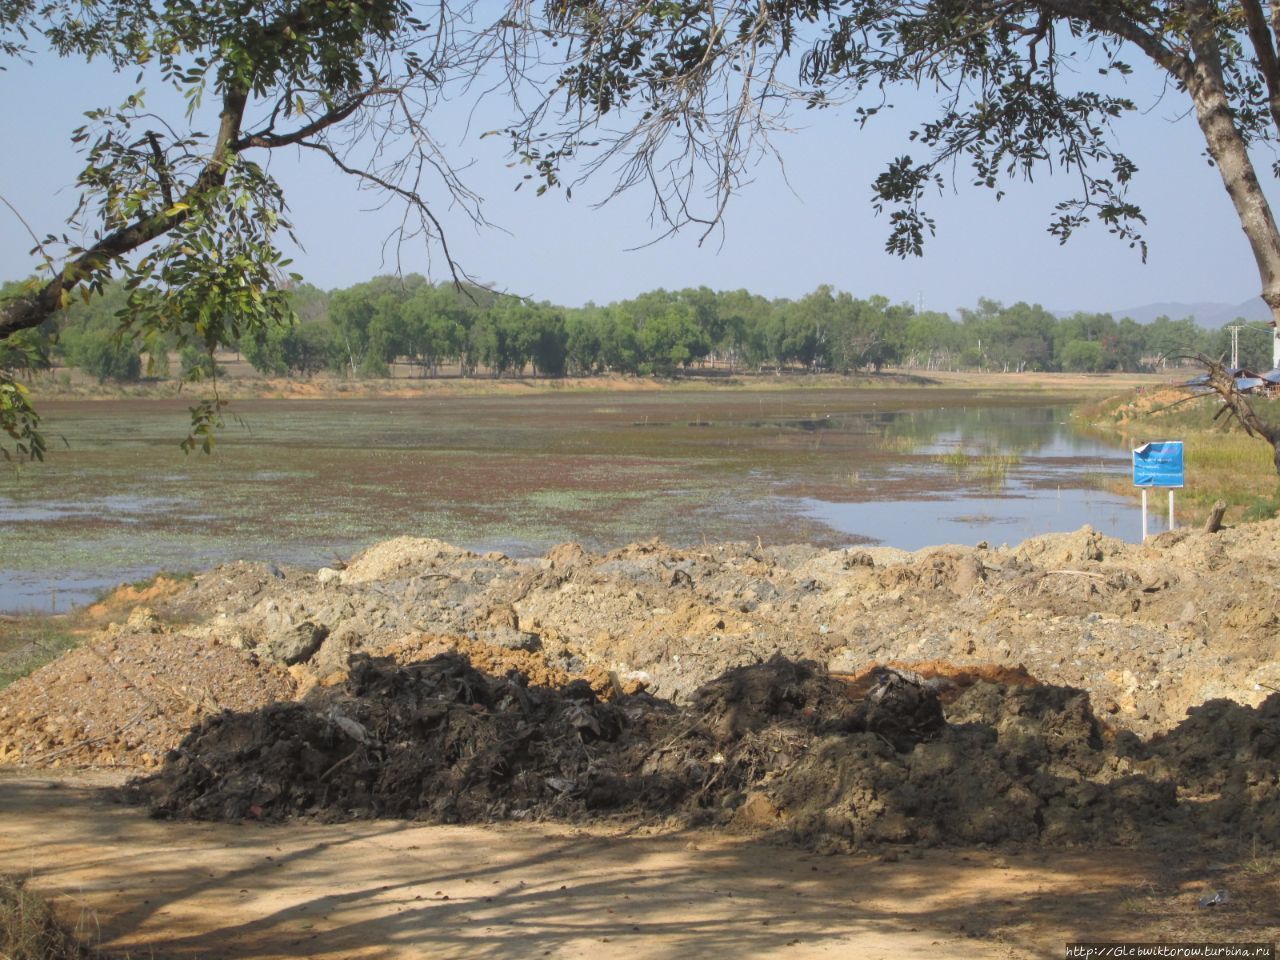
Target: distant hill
x: 1209, y: 315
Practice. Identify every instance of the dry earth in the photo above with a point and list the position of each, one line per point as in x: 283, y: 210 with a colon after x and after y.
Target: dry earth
x: 1148, y: 631
x: 380, y: 889
x: 1065, y: 668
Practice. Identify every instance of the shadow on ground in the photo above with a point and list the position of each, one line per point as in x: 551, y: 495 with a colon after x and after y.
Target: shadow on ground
x: 398, y: 889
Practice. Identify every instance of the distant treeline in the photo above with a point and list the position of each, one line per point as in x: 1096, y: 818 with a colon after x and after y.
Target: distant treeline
x: 365, y: 329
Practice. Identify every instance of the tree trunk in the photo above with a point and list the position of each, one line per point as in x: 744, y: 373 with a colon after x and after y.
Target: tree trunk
x: 1231, y: 154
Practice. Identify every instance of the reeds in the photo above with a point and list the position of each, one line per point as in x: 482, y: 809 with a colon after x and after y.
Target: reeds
x: 992, y: 469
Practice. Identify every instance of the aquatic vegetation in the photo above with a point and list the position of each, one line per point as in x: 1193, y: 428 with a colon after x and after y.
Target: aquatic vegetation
x: 297, y: 481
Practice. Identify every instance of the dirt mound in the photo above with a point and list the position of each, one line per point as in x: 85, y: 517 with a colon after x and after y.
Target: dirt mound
x: 402, y: 558
x: 779, y: 748
x: 1228, y: 755
x: 1149, y: 630
x: 441, y: 740
x: 127, y: 695
x: 127, y: 597
x: 437, y: 740
x: 765, y: 704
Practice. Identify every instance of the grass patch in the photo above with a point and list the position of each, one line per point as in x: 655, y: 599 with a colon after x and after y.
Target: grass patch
x: 994, y: 469
x: 990, y: 468
x: 958, y: 460
x: 28, y: 643
x: 30, y: 931
x: 899, y: 444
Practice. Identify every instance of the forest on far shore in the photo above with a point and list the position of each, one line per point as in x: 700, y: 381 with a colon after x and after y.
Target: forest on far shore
x: 445, y: 329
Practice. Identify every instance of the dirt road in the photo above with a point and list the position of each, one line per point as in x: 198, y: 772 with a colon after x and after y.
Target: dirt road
x: 400, y: 890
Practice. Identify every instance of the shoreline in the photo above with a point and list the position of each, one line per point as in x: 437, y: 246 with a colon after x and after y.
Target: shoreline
x: 44, y: 389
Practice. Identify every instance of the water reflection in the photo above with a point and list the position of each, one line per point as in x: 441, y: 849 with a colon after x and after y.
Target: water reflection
x: 982, y: 473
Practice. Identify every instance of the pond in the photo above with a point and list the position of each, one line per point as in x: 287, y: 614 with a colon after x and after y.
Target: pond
x: 305, y: 481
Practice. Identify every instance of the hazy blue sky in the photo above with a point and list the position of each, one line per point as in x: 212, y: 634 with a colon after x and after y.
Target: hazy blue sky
x: 779, y: 240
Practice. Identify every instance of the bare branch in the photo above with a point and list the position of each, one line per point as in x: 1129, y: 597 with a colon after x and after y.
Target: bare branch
x: 411, y: 197
x: 270, y: 140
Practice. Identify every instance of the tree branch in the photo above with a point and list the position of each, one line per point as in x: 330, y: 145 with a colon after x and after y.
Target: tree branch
x: 1265, y: 50
x: 412, y: 197
x: 25, y: 312
x: 162, y: 174
x: 1235, y: 405
x: 1105, y: 18
x: 269, y: 140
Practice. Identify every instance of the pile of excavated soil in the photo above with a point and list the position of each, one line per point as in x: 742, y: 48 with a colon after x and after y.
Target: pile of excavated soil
x: 128, y: 694
x: 1176, y: 644
x: 1150, y: 630
x: 778, y: 748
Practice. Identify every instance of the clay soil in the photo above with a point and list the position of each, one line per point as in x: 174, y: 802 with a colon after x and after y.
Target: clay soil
x: 963, y: 751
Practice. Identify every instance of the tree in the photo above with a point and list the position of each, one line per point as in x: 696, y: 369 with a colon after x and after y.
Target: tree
x: 583, y: 341
x: 433, y: 330
x: 710, y: 82
x: 548, y: 348
x: 739, y: 313
x: 1168, y: 339
x: 187, y: 215
x: 932, y: 341
x: 1083, y: 356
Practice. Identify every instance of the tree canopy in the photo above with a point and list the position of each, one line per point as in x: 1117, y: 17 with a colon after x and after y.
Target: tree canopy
x: 408, y: 327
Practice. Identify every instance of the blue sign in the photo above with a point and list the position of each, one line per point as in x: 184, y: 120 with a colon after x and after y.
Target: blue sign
x: 1158, y: 464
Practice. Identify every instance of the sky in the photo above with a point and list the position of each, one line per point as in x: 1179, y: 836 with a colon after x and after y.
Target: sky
x: 783, y: 234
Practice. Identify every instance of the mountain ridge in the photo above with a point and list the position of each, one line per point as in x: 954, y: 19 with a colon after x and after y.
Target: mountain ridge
x: 1211, y: 315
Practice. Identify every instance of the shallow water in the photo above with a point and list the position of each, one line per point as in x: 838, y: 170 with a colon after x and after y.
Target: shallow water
x: 302, y: 481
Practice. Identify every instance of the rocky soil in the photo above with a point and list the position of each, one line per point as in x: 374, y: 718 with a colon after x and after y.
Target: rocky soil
x: 1043, y: 695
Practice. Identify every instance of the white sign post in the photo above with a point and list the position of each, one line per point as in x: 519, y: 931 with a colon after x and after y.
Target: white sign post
x: 1158, y: 464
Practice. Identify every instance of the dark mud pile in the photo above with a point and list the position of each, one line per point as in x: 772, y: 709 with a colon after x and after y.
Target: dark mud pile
x: 776, y: 748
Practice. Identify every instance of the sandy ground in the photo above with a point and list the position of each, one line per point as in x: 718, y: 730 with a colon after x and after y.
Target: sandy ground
x: 400, y: 890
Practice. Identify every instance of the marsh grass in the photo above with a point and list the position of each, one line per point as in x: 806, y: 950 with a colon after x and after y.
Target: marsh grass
x: 958, y: 460
x: 899, y: 444
x: 992, y: 469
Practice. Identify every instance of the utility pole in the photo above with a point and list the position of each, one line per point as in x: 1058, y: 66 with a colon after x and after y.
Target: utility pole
x: 1235, y: 345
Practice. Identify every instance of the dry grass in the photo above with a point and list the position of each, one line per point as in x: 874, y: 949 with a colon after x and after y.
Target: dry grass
x: 30, y: 931
x: 1222, y: 462
x: 241, y: 382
